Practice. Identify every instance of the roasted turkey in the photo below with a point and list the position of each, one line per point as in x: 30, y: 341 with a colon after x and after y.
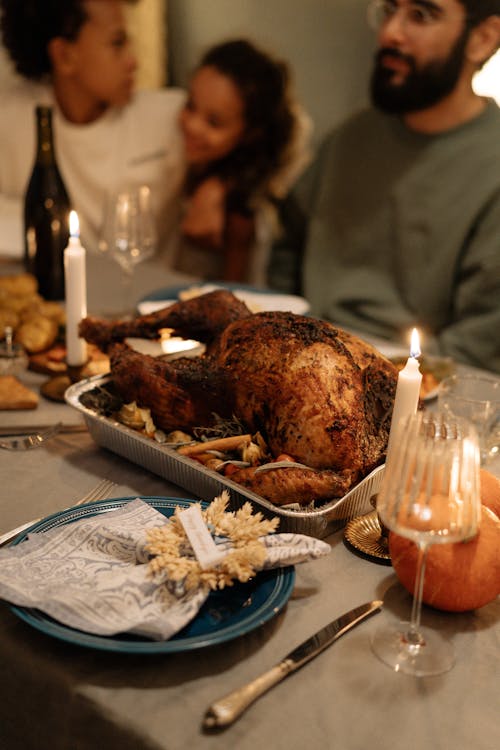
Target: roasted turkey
x: 313, y: 391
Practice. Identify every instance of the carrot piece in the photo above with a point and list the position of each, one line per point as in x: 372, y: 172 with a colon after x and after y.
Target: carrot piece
x: 285, y: 457
x: 218, y: 444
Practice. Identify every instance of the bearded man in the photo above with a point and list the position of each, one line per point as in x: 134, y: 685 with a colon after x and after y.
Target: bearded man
x: 397, y: 223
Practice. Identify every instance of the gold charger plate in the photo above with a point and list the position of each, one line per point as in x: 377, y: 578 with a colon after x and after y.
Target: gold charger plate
x: 363, y: 534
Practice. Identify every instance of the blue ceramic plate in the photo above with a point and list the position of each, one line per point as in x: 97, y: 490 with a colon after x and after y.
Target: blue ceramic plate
x: 258, y: 299
x: 225, y: 615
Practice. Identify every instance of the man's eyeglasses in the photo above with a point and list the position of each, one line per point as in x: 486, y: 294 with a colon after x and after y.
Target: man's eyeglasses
x: 414, y: 15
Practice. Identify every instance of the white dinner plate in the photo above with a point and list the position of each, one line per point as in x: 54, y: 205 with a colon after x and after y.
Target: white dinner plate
x: 258, y: 300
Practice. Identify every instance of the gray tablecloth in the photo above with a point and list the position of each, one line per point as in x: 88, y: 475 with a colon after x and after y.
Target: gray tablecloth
x: 57, y: 695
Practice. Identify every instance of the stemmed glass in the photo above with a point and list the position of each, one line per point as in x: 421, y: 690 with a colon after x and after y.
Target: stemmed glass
x: 476, y: 398
x: 129, y: 235
x: 430, y: 494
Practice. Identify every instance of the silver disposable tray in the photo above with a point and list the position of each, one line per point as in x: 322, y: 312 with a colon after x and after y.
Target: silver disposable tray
x: 206, y: 484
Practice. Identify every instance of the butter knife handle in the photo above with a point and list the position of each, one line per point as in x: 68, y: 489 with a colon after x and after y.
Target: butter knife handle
x: 10, y: 535
x: 227, y: 709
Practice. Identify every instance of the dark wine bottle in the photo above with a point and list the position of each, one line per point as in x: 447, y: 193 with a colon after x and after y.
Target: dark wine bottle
x: 46, y: 214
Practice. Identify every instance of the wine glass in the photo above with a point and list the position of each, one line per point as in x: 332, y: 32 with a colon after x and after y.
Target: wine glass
x: 477, y: 398
x: 129, y: 235
x: 430, y: 494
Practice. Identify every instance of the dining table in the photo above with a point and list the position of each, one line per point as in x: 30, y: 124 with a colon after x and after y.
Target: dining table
x: 61, y: 695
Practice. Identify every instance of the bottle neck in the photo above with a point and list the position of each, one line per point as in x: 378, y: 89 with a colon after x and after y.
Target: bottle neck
x: 45, y: 149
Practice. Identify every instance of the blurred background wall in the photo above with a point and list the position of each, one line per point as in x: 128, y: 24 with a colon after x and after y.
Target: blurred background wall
x: 147, y: 22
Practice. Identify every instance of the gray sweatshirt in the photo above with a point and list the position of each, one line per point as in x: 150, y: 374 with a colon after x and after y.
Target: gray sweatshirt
x: 395, y: 229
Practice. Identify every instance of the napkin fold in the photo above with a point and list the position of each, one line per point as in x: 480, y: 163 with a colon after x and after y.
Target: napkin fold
x: 92, y: 574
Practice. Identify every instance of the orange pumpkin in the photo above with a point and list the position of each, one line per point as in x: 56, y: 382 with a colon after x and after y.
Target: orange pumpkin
x: 458, y: 577
x: 490, y: 491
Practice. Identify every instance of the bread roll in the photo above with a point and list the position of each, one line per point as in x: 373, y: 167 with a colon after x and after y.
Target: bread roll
x: 15, y: 395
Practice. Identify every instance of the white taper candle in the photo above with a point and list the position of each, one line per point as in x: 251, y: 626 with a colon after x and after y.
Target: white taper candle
x: 407, y: 392
x: 75, y: 276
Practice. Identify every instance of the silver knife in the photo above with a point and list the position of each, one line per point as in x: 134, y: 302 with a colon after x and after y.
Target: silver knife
x: 227, y: 709
x: 13, y: 533
x: 27, y: 429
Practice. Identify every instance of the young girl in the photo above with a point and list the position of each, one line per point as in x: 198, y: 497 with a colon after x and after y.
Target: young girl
x: 245, y: 141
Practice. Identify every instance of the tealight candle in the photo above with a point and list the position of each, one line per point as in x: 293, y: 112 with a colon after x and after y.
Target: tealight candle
x: 407, y: 391
x: 76, y: 294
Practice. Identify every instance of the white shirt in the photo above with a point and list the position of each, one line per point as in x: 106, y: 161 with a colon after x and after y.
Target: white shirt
x: 139, y: 143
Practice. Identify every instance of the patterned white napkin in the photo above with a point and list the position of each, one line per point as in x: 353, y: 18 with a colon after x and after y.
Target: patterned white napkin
x: 92, y: 574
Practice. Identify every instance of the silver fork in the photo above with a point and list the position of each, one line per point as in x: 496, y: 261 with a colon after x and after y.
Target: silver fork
x: 101, y: 491
x: 34, y: 440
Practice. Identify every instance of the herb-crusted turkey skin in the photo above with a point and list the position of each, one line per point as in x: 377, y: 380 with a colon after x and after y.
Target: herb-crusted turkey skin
x: 314, y: 391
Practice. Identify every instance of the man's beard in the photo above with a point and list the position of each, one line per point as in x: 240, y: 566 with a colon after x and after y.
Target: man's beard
x: 421, y: 88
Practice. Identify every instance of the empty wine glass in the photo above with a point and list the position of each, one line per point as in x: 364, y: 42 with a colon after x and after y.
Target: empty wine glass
x: 475, y: 397
x: 429, y: 494
x: 129, y: 235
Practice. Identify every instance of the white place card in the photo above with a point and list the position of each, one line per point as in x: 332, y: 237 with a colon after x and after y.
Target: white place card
x: 206, y: 551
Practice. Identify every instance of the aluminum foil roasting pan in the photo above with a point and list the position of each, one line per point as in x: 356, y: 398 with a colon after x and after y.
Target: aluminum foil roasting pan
x: 205, y: 484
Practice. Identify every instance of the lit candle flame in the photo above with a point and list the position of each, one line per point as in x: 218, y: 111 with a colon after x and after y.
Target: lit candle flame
x: 74, y: 224
x: 173, y: 344
x: 415, y: 344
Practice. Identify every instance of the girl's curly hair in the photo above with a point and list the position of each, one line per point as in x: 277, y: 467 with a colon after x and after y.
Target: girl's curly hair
x: 264, y: 86
x: 28, y: 26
